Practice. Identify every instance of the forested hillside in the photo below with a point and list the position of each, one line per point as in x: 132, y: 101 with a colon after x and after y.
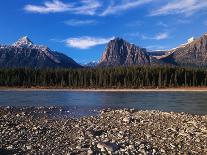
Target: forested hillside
x: 120, y: 77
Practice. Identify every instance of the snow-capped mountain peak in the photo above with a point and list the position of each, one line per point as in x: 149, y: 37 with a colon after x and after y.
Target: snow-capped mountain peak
x: 190, y: 40
x: 23, y: 42
x: 24, y: 53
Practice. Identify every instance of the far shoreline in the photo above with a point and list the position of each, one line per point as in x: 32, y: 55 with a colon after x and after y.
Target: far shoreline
x: 190, y: 89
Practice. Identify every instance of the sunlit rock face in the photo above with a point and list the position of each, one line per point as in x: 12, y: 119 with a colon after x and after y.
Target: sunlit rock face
x: 121, y: 53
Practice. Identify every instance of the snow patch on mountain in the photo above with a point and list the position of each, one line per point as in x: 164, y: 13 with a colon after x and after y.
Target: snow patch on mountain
x: 23, y: 42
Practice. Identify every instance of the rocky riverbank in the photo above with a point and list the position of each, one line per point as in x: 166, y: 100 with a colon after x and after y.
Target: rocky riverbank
x: 42, y: 131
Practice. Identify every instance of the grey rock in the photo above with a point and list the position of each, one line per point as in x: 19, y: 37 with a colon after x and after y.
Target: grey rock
x: 156, y: 133
x: 24, y: 53
x: 121, y: 53
x: 111, y: 147
x: 193, y: 54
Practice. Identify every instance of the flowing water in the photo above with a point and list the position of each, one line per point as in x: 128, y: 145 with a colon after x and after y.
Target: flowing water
x: 85, y: 103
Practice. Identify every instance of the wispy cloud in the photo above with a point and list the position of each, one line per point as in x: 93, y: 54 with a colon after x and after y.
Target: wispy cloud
x: 124, y: 5
x: 104, y: 8
x: 74, y: 22
x: 186, y: 7
x: 162, y: 24
x: 86, y: 42
x: 159, y: 36
x: 87, y: 7
x: 49, y: 7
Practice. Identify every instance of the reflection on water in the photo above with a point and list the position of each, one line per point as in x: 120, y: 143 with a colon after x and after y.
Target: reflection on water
x: 82, y: 102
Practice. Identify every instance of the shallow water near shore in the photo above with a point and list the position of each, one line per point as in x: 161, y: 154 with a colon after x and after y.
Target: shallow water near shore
x: 87, y: 103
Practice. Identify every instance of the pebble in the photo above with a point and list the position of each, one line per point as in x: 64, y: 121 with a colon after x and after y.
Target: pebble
x: 90, y: 152
x: 110, y: 147
x: 126, y: 120
x: 123, y: 131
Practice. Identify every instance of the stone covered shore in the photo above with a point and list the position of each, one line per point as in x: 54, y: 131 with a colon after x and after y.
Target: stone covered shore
x: 38, y: 131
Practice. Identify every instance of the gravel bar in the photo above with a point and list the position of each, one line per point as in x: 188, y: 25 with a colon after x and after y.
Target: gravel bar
x: 44, y: 130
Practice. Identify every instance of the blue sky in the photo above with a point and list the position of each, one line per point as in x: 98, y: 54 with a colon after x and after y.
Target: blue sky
x: 81, y: 28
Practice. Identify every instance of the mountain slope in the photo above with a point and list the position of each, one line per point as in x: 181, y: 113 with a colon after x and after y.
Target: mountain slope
x: 193, y: 54
x: 24, y: 53
x: 120, y: 52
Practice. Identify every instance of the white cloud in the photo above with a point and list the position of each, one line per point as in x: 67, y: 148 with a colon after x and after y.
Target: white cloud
x: 124, y: 5
x: 86, y: 42
x: 74, y: 22
x: 49, y: 7
x: 104, y: 8
x: 186, y: 7
x: 159, y: 36
x: 86, y: 7
x: 162, y: 24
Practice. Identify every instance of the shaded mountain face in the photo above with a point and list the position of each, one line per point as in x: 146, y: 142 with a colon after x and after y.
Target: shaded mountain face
x: 122, y: 53
x: 24, y: 53
x: 192, y: 54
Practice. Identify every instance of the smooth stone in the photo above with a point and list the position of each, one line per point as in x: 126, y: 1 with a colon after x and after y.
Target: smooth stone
x: 110, y: 147
x: 90, y: 152
x: 126, y: 120
x: 9, y: 147
x: 29, y: 147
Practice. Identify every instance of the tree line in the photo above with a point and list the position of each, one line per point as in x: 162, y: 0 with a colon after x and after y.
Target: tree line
x: 119, y: 77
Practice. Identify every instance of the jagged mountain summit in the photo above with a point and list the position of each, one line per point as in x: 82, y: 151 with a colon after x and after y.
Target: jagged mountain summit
x: 118, y: 52
x: 24, y: 53
x: 121, y: 53
x: 23, y: 42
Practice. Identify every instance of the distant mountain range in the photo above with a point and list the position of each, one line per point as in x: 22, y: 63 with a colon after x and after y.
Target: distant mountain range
x: 24, y: 53
x: 121, y: 53
x: 118, y: 52
x: 92, y: 64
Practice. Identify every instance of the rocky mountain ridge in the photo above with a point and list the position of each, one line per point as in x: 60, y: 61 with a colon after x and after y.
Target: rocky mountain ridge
x: 24, y: 53
x: 121, y: 53
x: 193, y: 54
x: 118, y: 52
